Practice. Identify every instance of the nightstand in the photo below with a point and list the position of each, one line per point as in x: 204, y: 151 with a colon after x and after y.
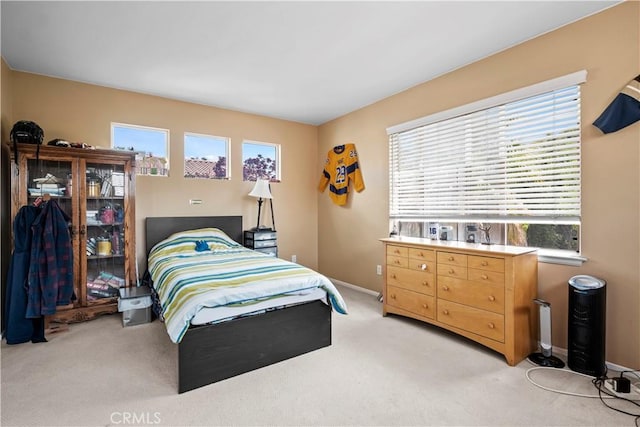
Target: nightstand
x: 265, y: 241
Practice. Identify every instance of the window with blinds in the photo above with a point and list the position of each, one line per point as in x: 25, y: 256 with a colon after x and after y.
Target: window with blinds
x: 515, y: 162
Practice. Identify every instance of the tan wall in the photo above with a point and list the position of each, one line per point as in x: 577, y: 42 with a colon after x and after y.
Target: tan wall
x: 83, y: 113
x: 5, y: 176
x: 607, y: 46
x: 6, y: 117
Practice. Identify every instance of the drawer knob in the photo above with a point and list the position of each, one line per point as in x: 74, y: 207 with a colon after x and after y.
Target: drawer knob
x: 423, y: 266
x: 451, y: 271
x: 445, y: 288
x: 484, y: 277
x: 491, y: 325
x: 484, y: 263
x: 393, y: 276
x: 445, y: 311
x: 393, y: 296
x: 397, y: 261
x: 425, y: 283
x: 396, y: 251
x: 425, y: 306
x: 450, y: 258
x: 420, y: 254
x: 492, y: 298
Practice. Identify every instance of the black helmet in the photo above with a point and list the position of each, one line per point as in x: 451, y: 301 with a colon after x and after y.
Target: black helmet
x: 26, y: 132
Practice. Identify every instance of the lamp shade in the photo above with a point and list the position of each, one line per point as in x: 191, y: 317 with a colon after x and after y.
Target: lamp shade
x: 261, y: 189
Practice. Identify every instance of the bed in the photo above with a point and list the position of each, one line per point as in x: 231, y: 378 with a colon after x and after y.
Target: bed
x: 212, y: 352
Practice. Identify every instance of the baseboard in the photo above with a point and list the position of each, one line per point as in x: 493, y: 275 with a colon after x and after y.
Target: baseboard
x: 354, y: 287
x: 611, y: 366
x: 619, y: 368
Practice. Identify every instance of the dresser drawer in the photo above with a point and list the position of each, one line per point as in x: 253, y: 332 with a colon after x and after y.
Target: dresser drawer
x: 422, y: 254
x: 400, y: 251
x: 451, y: 258
x: 397, y: 261
x: 485, y: 276
x: 485, y: 296
x: 417, y: 281
x: 413, y: 302
x: 260, y: 235
x: 486, y: 263
x: 481, y: 322
x: 273, y: 251
x: 452, y: 271
x: 255, y: 244
x: 426, y: 266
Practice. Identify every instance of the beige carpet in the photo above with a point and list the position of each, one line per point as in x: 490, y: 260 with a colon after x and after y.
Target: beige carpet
x: 379, y: 371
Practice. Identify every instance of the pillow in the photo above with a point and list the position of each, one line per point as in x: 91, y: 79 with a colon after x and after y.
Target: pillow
x: 184, y: 241
x: 183, y: 244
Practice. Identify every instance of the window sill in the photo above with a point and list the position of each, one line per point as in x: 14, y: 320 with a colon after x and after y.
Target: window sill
x: 550, y: 256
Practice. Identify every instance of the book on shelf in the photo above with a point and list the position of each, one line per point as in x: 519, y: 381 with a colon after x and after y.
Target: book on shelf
x: 48, y: 187
x: 41, y: 192
x: 106, y: 189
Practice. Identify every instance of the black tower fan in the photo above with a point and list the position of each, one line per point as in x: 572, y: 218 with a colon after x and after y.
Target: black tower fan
x: 587, y: 314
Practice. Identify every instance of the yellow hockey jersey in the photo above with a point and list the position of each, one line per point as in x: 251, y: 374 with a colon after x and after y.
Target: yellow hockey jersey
x: 340, y: 168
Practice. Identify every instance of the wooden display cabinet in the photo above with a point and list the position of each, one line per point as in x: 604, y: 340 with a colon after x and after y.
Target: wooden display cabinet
x: 96, y: 189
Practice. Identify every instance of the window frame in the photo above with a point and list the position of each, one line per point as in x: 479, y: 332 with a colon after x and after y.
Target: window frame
x: 560, y: 83
x: 278, y: 166
x: 227, y: 149
x: 141, y: 158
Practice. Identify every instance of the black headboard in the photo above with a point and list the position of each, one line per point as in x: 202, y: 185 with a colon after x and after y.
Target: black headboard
x: 159, y: 228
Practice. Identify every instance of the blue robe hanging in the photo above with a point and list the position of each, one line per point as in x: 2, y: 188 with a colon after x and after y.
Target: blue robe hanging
x: 19, y: 328
x: 40, y: 273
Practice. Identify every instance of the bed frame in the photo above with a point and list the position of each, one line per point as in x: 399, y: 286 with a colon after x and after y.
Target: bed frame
x: 211, y: 353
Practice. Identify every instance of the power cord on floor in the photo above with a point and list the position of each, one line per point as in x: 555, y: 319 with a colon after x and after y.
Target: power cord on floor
x: 598, y: 383
x: 569, y: 393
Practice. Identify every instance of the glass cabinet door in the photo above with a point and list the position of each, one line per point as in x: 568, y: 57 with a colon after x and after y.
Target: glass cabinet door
x: 53, y: 178
x: 103, y: 214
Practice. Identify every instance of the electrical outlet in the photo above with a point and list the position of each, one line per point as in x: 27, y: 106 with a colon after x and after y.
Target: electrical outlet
x: 294, y: 258
x: 379, y: 270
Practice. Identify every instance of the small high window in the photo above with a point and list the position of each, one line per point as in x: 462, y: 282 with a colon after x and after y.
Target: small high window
x: 206, y: 156
x: 260, y: 160
x: 151, y: 144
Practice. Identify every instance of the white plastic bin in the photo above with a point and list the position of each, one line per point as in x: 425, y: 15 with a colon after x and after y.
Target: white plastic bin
x: 135, y: 305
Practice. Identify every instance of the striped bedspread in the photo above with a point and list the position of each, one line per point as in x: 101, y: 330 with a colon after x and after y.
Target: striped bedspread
x: 221, y: 273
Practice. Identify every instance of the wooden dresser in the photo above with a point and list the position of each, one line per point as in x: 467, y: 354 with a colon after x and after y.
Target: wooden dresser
x: 483, y: 292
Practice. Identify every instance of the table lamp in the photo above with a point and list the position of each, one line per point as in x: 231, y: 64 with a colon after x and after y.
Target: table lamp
x: 261, y: 191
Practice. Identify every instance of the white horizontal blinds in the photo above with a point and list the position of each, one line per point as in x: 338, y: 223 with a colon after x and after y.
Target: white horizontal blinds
x: 515, y: 162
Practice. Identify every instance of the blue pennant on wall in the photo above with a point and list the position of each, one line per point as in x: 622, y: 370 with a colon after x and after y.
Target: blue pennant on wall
x: 623, y: 111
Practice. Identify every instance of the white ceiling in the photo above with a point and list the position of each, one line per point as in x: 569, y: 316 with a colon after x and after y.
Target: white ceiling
x: 308, y: 62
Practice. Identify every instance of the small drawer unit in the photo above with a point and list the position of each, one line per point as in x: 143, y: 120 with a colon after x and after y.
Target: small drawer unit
x: 265, y: 241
